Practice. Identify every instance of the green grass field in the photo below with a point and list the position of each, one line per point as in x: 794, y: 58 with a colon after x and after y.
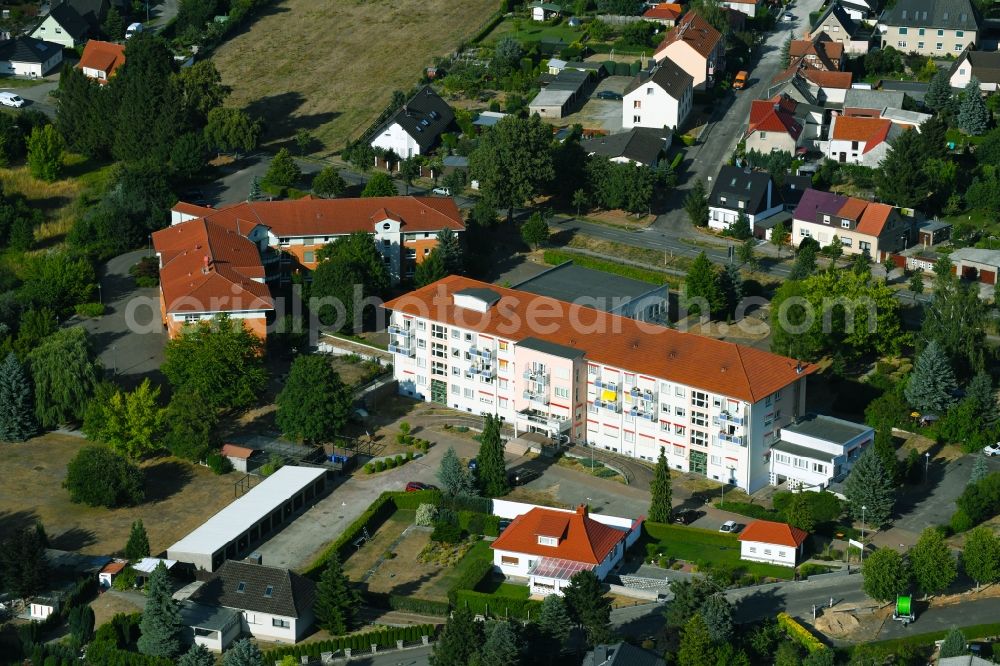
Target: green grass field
x: 705, y: 548
x: 524, y: 30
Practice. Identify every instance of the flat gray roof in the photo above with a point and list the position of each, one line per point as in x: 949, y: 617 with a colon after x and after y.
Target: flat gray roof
x: 550, y: 348
x: 568, y: 282
x: 934, y: 225
x: 977, y: 255
x: 828, y: 428
x: 802, y: 451
x: 247, y: 511
x: 552, y: 98
x: 212, y: 618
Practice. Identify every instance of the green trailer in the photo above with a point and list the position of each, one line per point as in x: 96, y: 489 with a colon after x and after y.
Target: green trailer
x: 904, y: 610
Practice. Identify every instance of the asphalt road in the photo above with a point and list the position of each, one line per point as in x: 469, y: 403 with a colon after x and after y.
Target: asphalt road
x: 38, y: 96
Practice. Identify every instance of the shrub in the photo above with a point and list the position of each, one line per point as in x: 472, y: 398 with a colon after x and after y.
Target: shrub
x: 90, y: 309
x: 219, y: 463
x: 96, y: 476
x: 409, y: 456
x: 960, y: 522
x: 497, y: 605
x: 379, y: 465
x: 491, y: 526
x: 749, y: 510
x: 413, y: 501
x: 400, y: 460
x: 372, y: 518
x: 470, y: 578
x: 390, y: 463
x: 426, y: 513
x: 799, y: 634
x: 446, y: 532
x: 369, y: 468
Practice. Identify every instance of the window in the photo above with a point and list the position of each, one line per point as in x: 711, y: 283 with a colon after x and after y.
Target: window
x: 864, y: 246
x: 752, y: 549
x: 819, y: 468
x: 855, y: 145
x: 502, y: 384
x: 902, y: 31
x: 504, y: 364
x: 242, y: 587
x: 386, y: 243
x: 699, y: 419
x: 678, y: 450
x: 958, y: 47
x: 636, y: 119
x: 679, y: 430
x: 961, y: 71
x: 456, y: 389
x: 715, y: 460
x: 637, y: 104
x: 456, y: 371
x: 438, y: 350
x: 680, y: 411
x: 767, y: 551
x: 846, y: 242
x: 277, y: 622
x: 742, y: 205
x: 699, y: 438
x: 901, y: 44
x: 562, y: 392
x: 960, y: 33
x: 504, y: 346
x: 845, y: 224
x: 920, y: 32
x: 421, y: 343
x: 782, y: 458
x: 438, y: 331
x: 940, y: 33
x: 665, y: 409
x: 826, y: 219
x: 679, y: 391
x: 308, y: 256
x: 439, y: 369
x: 629, y: 436
x: 421, y: 362
x: 486, y: 400
x: 456, y: 334
x: 781, y: 553
x: 763, y: 135
x: 938, y: 46
x: 507, y: 559
x: 649, y: 90
x: 468, y: 393
x: 699, y: 399
x: 920, y: 45
x: 421, y: 325
x: 547, y: 541
x: 805, y: 233
x: 269, y: 591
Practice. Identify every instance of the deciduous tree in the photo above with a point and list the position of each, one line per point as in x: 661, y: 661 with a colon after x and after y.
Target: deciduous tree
x: 96, y: 476
x: 779, y: 236
x: 933, y: 565
x: 871, y: 486
x: 64, y: 373
x: 328, y: 183
x: 191, y: 426
x: 45, y: 153
x: 932, y: 383
x: 491, y: 471
x: 283, y: 171
x: 336, y: 601
x: 535, y: 231
x: 201, y: 90
x: 228, y: 129
x: 513, y: 161
x: 379, y: 185
x: 702, y: 293
x: 660, y: 491
x: 885, y: 575
x: 131, y: 423
x: 350, y: 270
x: 161, y: 625
x: 981, y: 556
x: 315, y: 404
x: 17, y: 407
x: 799, y: 513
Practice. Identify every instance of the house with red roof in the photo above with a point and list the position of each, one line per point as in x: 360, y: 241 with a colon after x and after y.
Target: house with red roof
x: 774, y: 126
x: 100, y: 60
x: 697, y: 48
x: 664, y: 13
x: 861, y: 227
x: 549, y: 546
x: 771, y: 542
x: 860, y: 140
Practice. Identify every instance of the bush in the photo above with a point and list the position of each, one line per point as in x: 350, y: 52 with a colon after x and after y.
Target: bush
x: 980, y: 501
x: 446, y: 532
x: 90, y: 309
x: 799, y: 634
x: 491, y: 526
x: 426, y: 513
x: 96, y: 476
x: 219, y: 463
x: 556, y: 257
x: 961, y: 522
x: 384, y: 637
x: 497, y: 605
x: 369, y: 468
x: 400, y: 460
x: 390, y: 463
x: 749, y: 510
x: 379, y: 465
x: 413, y: 501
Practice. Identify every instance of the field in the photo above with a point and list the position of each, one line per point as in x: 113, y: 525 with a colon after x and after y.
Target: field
x: 180, y: 497
x: 708, y: 548
x: 331, y: 68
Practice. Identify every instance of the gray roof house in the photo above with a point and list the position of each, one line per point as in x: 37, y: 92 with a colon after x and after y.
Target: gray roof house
x: 621, y: 654
x: 639, y: 145
x: 930, y: 27
x: 737, y: 191
x: 416, y: 126
x: 857, y: 98
x: 983, y: 65
x: 28, y: 56
x: 276, y: 604
x: 64, y: 26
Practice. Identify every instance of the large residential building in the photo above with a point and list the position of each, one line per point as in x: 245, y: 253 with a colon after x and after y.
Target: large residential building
x: 697, y: 48
x: 837, y: 25
x: 737, y: 191
x: 660, y: 98
x: 416, y: 126
x: 863, y: 227
x: 929, y: 27
x: 603, y: 380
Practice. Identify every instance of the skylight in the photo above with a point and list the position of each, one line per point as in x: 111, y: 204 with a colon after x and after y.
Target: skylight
x: 269, y: 591
x: 242, y: 587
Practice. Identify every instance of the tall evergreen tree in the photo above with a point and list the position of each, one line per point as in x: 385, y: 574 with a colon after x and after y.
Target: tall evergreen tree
x: 491, y: 470
x: 717, y: 614
x: 932, y: 381
x: 980, y: 470
x: 149, y: 116
x: 981, y: 394
x: 553, y: 620
x: 138, y: 542
x: 886, y: 450
x: 702, y: 293
x: 870, y: 485
x: 198, y: 655
x: 696, y: 204
x: 587, y: 606
x: 899, y: 178
x: 661, y: 491
x: 933, y: 565
x: 939, y: 95
x: 933, y: 138
x: 786, y: 56
x: 336, y: 602
x: 459, y: 642
x: 114, y: 25
x: 957, y: 319
x: 973, y: 116
x: 500, y: 647
x: 17, y: 407
x: 805, y: 262
x: 24, y: 569
x: 454, y: 477
x: 451, y: 251
x: 696, y: 647
x: 243, y: 653
x: 430, y: 270
x: 741, y: 229
x: 161, y: 625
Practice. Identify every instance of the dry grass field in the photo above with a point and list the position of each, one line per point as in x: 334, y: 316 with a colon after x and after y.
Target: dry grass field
x: 180, y: 496
x: 331, y: 67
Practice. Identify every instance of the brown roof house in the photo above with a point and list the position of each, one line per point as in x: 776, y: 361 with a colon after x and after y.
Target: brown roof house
x: 697, y: 48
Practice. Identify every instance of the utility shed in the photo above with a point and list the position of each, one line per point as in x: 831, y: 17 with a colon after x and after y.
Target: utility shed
x: 248, y: 521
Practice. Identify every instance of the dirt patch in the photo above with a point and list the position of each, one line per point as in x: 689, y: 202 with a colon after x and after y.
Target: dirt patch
x: 32, y: 490
x: 364, y: 559
x: 545, y: 497
x: 106, y: 606
x: 340, y: 69
x: 619, y: 218
x: 405, y: 574
x: 920, y: 444
x: 838, y: 625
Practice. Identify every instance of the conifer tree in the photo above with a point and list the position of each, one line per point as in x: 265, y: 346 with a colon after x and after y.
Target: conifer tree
x: 198, y: 655
x: 243, y: 653
x: 660, y: 490
x: 932, y: 382
x: 17, y: 406
x: 459, y: 642
x: 869, y: 485
x: 138, y: 543
x: 336, y: 602
x: 161, y: 624
x: 973, y: 116
x: 491, y: 469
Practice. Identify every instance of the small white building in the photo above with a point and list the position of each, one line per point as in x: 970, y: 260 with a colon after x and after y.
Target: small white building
x: 29, y: 57
x: 238, y: 456
x: 43, y: 606
x: 549, y: 546
x: 416, y: 126
x: 543, y: 11
x: 771, y: 542
x: 215, y: 627
x: 107, y: 575
x: 983, y: 65
x: 748, y: 7
x: 658, y: 98
x: 816, y: 451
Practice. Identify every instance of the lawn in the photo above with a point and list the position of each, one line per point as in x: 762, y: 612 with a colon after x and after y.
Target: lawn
x: 180, y: 496
x: 704, y: 547
x: 331, y: 68
x: 524, y: 30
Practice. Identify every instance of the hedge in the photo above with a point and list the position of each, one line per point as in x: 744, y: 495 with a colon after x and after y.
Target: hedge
x: 750, y: 510
x: 412, y: 501
x: 384, y: 637
x: 407, y: 603
x: 556, y: 257
x: 373, y: 517
x: 799, y: 634
x: 470, y: 578
x: 971, y: 632
x: 496, y: 605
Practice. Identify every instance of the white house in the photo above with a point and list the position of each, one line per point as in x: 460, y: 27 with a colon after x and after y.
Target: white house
x: 748, y: 7
x: 816, y: 451
x: 737, y: 191
x: 548, y: 546
x: 276, y: 604
x: 658, y: 98
x: 858, y: 140
x: 542, y: 11
x: 983, y: 65
x: 416, y: 126
x: 30, y: 57
x: 43, y: 606
x: 64, y: 26
x: 215, y: 627
x: 771, y: 542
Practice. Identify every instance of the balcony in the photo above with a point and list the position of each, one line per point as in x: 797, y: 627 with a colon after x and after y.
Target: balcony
x: 610, y: 406
x: 729, y: 418
x: 404, y: 349
x: 531, y: 396
x: 485, y: 371
x: 610, y: 386
x: 399, y: 330
x: 642, y: 394
x: 481, y: 353
x: 539, y: 376
x: 646, y: 414
x: 731, y: 439
x: 550, y: 422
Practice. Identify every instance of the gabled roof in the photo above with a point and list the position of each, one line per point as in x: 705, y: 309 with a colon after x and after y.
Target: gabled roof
x: 734, y: 184
x: 985, y: 65
x: 104, y: 56
x: 424, y: 117
x: 870, y: 217
x: 941, y: 14
x: 781, y: 534
x: 716, y: 366
x: 640, y: 144
x: 774, y: 115
x: 92, y: 11
x: 236, y: 451
x: 870, y: 131
x: 70, y: 21
x: 694, y: 31
x: 621, y: 654
x: 665, y: 11
x: 824, y: 50
x: 28, y: 49
x: 873, y: 99
x: 581, y: 538
x: 258, y: 588
x: 841, y: 80
x: 845, y: 20
x: 667, y: 75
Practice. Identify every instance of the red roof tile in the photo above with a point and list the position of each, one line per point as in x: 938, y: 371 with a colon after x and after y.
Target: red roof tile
x: 725, y: 368
x: 871, y: 131
x: 114, y: 567
x: 192, y: 209
x: 874, y: 218
x: 840, y: 80
x: 236, y: 451
x: 694, y: 31
x: 780, y: 534
x: 667, y: 11
x: 583, y: 538
x: 774, y: 115
x: 104, y: 56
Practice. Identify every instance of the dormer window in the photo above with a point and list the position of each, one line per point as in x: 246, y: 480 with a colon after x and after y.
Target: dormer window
x: 547, y: 541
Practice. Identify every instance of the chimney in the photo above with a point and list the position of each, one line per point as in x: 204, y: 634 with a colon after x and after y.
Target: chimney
x: 206, y: 265
x: 581, y: 510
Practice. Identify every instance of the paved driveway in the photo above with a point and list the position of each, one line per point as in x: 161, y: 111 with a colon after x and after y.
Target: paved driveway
x: 38, y: 96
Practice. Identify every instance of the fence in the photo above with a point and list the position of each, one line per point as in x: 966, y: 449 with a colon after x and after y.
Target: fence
x: 617, y: 19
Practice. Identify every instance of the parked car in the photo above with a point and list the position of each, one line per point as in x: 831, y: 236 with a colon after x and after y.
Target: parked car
x: 132, y: 30
x: 11, y: 99
x: 503, y: 524
x: 441, y: 191
x: 521, y: 476
x: 609, y: 94
x: 730, y: 527
x: 788, y: 17
x: 414, y: 486
x: 740, y: 82
x: 992, y: 449
x: 473, y: 465
x: 687, y: 516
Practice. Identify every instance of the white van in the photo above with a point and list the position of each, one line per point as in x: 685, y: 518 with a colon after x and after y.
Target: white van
x: 10, y: 99
x: 132, y: 30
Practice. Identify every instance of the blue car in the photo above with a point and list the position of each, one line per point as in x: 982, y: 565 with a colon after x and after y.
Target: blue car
x: 473, y: 465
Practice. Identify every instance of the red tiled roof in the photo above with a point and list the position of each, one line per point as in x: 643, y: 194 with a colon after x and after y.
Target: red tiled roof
x: 774, y: 115
x: 780, y: 534
x: 871, y: 131
x: 825, y: 51
x: 104, y: 56
x: 583, y: 538
x: 874, y: 218
x: 192, y: 209
x: 114, y: 567
x: 841, y: 80
x: 236, y: 451
x: 205, y: 267
x: 694, y: 31
x: 333, y: 217
x: 726, y: 368
x: 668, y: 11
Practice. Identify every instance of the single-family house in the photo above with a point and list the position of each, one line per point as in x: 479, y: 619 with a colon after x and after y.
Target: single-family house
x: 639, y: 145
x: 621, y: 654
x: 792, y: 189
x: 548, y: 546
x: 978, y: 264
x: 838, y: 26
x: 934, y: 28
x: 862, y: 227
x: 276, y: 604
x: 30, y: 57
x: 238, y: 456
x: 658, y: 98
x: 747, y: 7
x: 100, y: 60
x: 664, y: 13
x: 820, y: 53
x: 860, y: 140
x: 736, y: 191
x: 983, y: 65
x: 771, y: 542
x: 817, y: 450
x: 107, y: 575
x: 416, y: 126
x: 543, y: 11
x: 773, y: 126
x: 561, y: 93
x: 63, y: 26
x: 811, y: 85
x: 697, y: 48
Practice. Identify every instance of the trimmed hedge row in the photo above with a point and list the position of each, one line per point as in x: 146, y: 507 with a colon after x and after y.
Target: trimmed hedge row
x: 799, y: 634
x: 385, y: 637
x: 556, y: 257
x: 470, y: 579
x: 410, y: 604
x: 373, y: 517
x: 750, y: 510
x: 970, y: 633
x: 495, y: 605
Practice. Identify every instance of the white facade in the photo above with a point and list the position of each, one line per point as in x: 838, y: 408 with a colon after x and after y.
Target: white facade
x: 962, y: 73
x: 398, y: 140
x: 817, y: 451
x: 649, y: 105
x: 33, y: 70
x: 748, y: 8
x: 853, y: 152
x: 51, y: 31
x: 40, y: 609
x: 721, y: 219
x: 275, y: 628
x: 757, y: 551
x: 518, y: 565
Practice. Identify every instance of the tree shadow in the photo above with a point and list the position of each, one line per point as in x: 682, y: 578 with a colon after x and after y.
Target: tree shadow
x: 411, y: 587
x: 15, y: 521
x: 74, y: 538
x: 278, y: 111
x: 165, y: 478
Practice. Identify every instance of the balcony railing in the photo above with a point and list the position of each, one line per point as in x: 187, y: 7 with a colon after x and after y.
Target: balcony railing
x: 646, y: 414
x: 610, y: 386
x: 484, y: 371
x: 729, y: 418
x: 539, y: 376
x: 481, y: 353
x: 610, y: 406
x: 540, y: 398
x: 731, y: 439
x: 405, y: 350
x: 553, y: 423
x: 399, y: 330
x: 642, y: 394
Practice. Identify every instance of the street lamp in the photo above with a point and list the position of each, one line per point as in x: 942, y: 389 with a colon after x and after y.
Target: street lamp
x: 863, y: 509
x: 927, y: 462
x: 100, y: 296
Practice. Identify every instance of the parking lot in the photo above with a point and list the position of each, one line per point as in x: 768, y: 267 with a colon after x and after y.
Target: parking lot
x: 597, y: 113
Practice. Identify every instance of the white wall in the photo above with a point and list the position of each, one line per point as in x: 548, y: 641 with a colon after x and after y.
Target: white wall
x: 50, y: 31
x: 756, y: 551
x: 261, y: 625
x: 748, y: 8
x: 395, y: 138
x: 31, y: 69
x: 656, y: 109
